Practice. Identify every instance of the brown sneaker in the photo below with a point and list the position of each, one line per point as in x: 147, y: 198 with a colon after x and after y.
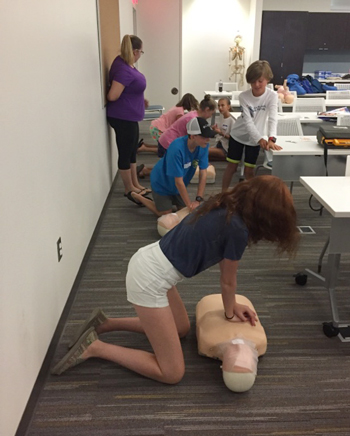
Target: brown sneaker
x: 96, y: 318
x: 73, y: 357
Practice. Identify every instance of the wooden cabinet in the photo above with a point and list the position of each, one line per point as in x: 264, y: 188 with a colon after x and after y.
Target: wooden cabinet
x: 283, y: 39
x: 327, y: 31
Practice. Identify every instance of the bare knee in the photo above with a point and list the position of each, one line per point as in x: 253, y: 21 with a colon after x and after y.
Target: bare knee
x: 183, y: 330
x: 173, y: 375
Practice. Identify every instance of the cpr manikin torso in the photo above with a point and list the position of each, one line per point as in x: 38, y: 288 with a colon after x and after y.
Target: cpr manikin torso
x: 166, y: 222
x: 237, y: 344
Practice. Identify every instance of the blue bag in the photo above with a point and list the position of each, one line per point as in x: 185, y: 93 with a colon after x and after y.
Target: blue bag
x: 318, y: 87
x: 329, y: 88
x: 293, y: 83
x: 307, y: 86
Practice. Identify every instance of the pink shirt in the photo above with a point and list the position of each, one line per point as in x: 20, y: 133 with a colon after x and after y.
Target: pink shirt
x: 166, y: 120
x: 176, y: 130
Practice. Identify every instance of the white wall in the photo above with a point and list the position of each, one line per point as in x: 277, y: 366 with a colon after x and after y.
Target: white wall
x: 208, y: 30
x: 126, y: 12
x: 55, y: 174
x: 255, y: 20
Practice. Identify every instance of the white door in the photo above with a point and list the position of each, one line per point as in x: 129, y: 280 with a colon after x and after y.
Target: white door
x: 159, y: 27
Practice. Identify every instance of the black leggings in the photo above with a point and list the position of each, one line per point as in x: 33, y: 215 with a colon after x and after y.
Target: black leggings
x: 127, y: 137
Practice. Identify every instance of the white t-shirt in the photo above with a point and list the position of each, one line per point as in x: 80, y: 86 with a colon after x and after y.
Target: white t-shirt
x: 225, y: 125
x: 258, y: 117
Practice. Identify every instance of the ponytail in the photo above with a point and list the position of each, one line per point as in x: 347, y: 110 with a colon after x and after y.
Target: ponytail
x: 130, y: 43
x: 207, y: 102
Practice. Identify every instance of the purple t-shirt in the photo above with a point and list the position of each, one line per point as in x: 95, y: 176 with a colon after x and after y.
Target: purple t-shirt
x: 130, y: 106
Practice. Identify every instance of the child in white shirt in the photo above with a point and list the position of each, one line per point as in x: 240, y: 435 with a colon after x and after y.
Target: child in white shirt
x: 223, y: 129
x: 258, y: 106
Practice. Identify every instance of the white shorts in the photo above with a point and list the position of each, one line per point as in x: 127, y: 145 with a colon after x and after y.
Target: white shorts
x: 150, y: 276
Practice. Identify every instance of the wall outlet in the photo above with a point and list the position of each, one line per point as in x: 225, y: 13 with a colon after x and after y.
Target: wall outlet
x: 59, y: 249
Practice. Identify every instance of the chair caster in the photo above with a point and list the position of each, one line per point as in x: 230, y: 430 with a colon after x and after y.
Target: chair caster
x: 300, y: 279
x: 329, y: 330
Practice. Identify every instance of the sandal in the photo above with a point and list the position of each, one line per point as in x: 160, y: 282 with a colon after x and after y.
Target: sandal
x: 140, y: 143
x: 145, y: 191
x: 131, y: 198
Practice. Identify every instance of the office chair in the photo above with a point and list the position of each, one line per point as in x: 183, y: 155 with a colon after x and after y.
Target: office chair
x: 336, y: 95
x: 235, y: 95
x: 153, y: 112
x: 289, y: 127
x: 343, y: 120
x: 309, y: 104
x: 342, y: 86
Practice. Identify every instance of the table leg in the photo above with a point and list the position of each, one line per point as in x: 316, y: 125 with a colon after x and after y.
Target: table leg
x: 333, y: 269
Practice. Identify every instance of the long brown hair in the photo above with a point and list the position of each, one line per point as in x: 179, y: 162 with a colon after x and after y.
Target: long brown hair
x: 265, y: 205
x: 188, y: 102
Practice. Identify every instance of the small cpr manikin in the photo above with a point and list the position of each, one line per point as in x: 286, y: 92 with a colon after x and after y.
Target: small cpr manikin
x: 166, y: 222
x: 284, y: 94
x: 237, y: 344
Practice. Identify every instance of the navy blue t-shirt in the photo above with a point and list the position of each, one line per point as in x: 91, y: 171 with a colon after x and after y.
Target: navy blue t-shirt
x: 193, y: 247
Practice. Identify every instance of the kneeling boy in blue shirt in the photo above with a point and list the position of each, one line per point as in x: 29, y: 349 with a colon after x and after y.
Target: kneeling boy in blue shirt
x: 171, y: 175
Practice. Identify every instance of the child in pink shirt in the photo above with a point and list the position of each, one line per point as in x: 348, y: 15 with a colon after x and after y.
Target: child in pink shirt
x: 206, y: 108
x: 158, y: 126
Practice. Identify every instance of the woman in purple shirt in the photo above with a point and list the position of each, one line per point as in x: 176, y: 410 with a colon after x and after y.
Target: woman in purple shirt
x: 125, y: 108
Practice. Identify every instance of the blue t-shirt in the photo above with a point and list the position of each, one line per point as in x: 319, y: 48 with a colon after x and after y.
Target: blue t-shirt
x: 177, y: 162
x: 193, y: 247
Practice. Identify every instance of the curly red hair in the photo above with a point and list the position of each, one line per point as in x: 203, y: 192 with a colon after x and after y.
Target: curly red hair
x: 266, y: 207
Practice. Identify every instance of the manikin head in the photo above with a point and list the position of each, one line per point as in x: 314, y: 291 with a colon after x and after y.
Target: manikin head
x: 239, y: 363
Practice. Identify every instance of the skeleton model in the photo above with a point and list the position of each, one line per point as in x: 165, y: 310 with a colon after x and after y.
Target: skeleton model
x: 236, y: 63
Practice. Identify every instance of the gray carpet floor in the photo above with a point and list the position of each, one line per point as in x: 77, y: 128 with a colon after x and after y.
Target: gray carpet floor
x: 303, y: 382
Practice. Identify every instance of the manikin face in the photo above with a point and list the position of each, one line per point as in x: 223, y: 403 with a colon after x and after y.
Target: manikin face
x: 259, y: 86
x: 224, y: 107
